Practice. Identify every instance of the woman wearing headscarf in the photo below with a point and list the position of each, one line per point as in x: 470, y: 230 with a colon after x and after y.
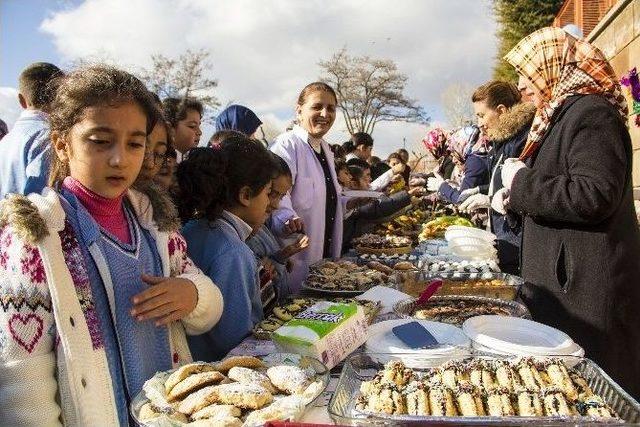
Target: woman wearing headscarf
x: 238, y: 118
x: 469, y: 153
x: 572, y: 184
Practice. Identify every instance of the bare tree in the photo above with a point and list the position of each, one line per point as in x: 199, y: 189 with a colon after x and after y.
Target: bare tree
x: 187, y: 76
x: 456, y: 103
x: 369, y: 91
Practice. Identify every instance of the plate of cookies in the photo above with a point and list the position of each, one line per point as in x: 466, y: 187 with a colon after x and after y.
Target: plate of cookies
x: 236, y: 391
x: 343, y: 278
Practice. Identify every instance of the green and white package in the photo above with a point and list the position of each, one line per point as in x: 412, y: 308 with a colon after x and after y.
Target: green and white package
x: 327, y: 331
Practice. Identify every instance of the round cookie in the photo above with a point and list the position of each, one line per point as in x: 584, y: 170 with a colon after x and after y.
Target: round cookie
x: 184, y: 371
x: 244, y: 361
x: 216, y: 412
x: 194, y: 383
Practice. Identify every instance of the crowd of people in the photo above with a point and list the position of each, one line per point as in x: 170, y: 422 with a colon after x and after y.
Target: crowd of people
x: 127, y: 249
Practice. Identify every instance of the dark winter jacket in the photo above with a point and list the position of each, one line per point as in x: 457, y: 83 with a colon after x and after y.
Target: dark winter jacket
x: 363, y: 219
x: 476, y: 173
x: 507, y: 141
x: 581, y: 244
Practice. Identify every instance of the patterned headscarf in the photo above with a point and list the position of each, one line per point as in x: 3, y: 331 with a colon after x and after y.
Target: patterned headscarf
x: 558, y: 66
x: 461, y: 142
x: 435, y: 141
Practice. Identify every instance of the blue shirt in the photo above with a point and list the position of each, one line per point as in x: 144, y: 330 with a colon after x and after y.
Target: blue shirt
x: 219, y: 250
x: 25, y: 155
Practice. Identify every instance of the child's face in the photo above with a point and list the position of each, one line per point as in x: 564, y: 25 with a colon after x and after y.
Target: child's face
x: 105, y: 149
x: 393, y: 161
x: 280, y: 186
x: 188, y: 132
x: 155, y: 152
x: 165, y: 176
x: 255, y: 208
x: 365, y: 180
x: 344, y: 177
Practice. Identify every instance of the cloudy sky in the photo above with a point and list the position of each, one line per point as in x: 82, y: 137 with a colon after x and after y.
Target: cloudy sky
x: 263, y: 51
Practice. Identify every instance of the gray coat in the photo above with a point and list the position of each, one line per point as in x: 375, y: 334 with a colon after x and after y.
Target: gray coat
x: 581, y: 244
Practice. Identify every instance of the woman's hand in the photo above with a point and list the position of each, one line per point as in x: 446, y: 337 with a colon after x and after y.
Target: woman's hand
x: 298, y: 246
x: 293, y: 225
x: 509, y: 170
x: 168, y: 299
x: 269, y: 268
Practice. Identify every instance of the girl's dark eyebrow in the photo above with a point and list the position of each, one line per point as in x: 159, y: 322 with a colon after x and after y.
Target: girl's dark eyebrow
x: 107, y: 129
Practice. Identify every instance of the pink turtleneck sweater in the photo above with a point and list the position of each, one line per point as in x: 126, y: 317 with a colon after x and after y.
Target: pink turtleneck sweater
x: 108, y: 213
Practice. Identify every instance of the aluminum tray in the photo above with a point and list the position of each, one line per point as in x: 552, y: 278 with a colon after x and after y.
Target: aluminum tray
x: 414, y: 282
x: 406, y: 308
x: 362, y: 367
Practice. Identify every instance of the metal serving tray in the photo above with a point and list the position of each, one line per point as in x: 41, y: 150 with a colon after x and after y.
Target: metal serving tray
x: 414, y: 282
x: 362, y: 367
x: 406, y: 308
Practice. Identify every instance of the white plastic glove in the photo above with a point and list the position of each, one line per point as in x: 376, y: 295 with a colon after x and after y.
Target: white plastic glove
x: 434, y: 183
x: 475, y: 202
x: 509, y: 170
x: 500, y: 200
x: 464, y: 195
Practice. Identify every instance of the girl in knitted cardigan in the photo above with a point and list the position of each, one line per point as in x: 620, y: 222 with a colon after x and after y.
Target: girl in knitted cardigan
x: 96, y: 292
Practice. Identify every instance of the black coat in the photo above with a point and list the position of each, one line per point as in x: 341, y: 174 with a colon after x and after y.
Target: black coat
x: 363, y: 219
x: 581, y: 244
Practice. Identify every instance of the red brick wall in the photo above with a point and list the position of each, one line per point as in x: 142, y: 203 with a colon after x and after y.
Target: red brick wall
x: 584, y: 13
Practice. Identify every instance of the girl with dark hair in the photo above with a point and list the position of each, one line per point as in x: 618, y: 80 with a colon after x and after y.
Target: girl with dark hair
x: 104, y: 294
x: 265, y: 244
x: 185, y: 116
x: 223, y: 195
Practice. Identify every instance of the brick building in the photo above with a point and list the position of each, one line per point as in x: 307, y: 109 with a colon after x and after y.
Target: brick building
x: 586, y: 14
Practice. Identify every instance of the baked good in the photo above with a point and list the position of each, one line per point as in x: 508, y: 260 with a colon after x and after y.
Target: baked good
x: 245, y: 396
x: 217, y: 422
x: 184, y: 371
x: 148, y: 412
x: 249, y: 376
x: 244, y: 361
x: 526, y: 387
x: 288, y: 379
x: 198, y: 400
x: 193, y: 383
x: 216, y: 412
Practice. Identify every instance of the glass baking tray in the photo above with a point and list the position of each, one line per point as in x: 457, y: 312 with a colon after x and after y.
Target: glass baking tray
x: 414, y: 282
x: 406, y: 308
x: 363, y: 367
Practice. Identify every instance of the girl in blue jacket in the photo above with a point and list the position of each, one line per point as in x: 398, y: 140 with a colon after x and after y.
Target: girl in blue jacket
x: 224, y: 194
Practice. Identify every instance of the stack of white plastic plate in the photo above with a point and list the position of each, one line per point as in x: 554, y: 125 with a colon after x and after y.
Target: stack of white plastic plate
x: 520, y: 337
x: 453, y: 342
x: 471, y: 243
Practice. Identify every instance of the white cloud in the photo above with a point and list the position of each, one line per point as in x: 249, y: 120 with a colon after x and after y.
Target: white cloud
x: 9, y: 107
x: 264, y: 52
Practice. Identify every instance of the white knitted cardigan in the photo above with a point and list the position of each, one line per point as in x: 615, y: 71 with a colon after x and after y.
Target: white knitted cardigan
x: 29, y: 351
